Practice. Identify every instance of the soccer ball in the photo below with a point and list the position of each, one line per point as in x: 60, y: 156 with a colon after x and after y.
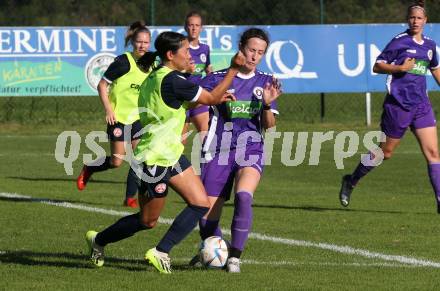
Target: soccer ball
x: 213, y: 252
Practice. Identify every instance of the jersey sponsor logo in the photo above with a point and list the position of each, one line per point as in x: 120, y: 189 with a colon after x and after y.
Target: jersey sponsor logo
x: 96, y: 67
x: 411, y: 51
x: 160, y: 188
x: 199, y: 69
x: 117, y: 132
x: 258, y: 92
x: 243, y: 109
x: 203, y: 58
x: 420, y: 68
x: 135, y: 86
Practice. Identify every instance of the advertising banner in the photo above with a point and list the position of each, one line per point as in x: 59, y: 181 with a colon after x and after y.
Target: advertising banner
x: 69, y: 61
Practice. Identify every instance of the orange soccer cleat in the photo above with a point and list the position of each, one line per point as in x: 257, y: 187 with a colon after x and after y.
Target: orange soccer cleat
x: 131, y: 202
x: 83, y: 178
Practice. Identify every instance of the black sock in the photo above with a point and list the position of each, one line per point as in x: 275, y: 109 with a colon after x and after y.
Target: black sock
x: 132, y: 184
x: 125, y: 227
x: 181, y: 227
x: 107, y: 164
x: 236, y: 253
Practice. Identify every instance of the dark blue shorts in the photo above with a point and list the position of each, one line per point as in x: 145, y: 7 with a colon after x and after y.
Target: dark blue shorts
x: 155, y: 179
x: 116, y: 132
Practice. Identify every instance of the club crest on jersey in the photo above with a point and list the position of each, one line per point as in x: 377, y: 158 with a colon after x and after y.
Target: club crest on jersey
x: 117, y: 132
x: 430, y: 55
x: 160, y: 188
x: 258, y: 92
x: 203, y: 58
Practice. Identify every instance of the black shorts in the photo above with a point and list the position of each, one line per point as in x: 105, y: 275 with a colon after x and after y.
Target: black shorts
x: 155, y: 179
x: 116, y: 131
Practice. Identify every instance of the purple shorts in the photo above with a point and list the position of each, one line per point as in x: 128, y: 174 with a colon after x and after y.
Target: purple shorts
x: 395, y: 119
x: 218, y: 174
x: 196, y: 111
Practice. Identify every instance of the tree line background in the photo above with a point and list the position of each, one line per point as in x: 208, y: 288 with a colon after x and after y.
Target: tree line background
x: 215, y: 12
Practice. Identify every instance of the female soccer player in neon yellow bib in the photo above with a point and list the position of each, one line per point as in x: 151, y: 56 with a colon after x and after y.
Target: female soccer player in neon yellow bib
x: 163, y: 101
x: 124, y: 78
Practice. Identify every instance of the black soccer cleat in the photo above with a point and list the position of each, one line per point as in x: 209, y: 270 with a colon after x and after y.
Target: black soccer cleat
x: 346, y: 189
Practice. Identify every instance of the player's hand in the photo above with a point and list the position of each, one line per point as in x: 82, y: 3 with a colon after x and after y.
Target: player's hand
x: 228, y: 97
x: 191, y: 67
x: 271, y: 91
x: 238, y: 60
x: 110, y: 117
x: 408, y: 64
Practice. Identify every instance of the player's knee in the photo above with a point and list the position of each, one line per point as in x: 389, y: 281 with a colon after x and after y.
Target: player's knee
x: 148, y: 223
x: 432, y: 155
x: 387, y: 154
x: 116, y: 163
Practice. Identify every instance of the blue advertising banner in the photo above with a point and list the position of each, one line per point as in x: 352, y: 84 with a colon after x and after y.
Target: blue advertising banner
x: 69, y: 61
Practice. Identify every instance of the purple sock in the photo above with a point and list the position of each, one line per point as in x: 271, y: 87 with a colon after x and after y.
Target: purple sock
x: 242, y: 220
x: 359, y: 172
x: 209, y: 228
x: 434, y: 176
x: 364, y: 167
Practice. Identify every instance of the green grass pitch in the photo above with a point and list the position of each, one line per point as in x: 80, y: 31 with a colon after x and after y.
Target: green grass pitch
x: 392, y: 214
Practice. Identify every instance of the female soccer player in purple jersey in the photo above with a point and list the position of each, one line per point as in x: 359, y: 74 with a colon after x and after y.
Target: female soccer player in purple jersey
x: 123, y: 78
x: 200, y: 54
x: 233, y: 148
x: 406, y: 60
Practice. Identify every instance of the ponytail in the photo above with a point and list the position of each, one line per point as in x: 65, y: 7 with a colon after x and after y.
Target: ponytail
x: 165, y: 42
x: 147, y: 61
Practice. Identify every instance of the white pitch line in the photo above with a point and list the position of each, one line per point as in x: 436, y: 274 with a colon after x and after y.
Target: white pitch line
x: 301, y: 243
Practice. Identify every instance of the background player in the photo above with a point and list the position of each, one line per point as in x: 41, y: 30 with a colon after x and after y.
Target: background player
x: 123, y: 78
x: 406, y: 60
x: 200, y: 54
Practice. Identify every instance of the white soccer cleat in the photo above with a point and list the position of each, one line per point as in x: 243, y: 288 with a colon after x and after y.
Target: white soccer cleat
x: 233, y: 265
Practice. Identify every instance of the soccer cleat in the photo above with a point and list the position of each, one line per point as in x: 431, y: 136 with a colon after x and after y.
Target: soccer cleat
x: 233, y: 265
x: 83, y: 178
x: 161, y: 261
x: 346, y: 189
x: 96, y: 251
x: 131, y: 202
x: 195, y: 261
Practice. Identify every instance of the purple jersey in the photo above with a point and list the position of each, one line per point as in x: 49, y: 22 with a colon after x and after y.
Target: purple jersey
x: 200, y: 56
x: 409, y: 89
x: 228, y: 121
